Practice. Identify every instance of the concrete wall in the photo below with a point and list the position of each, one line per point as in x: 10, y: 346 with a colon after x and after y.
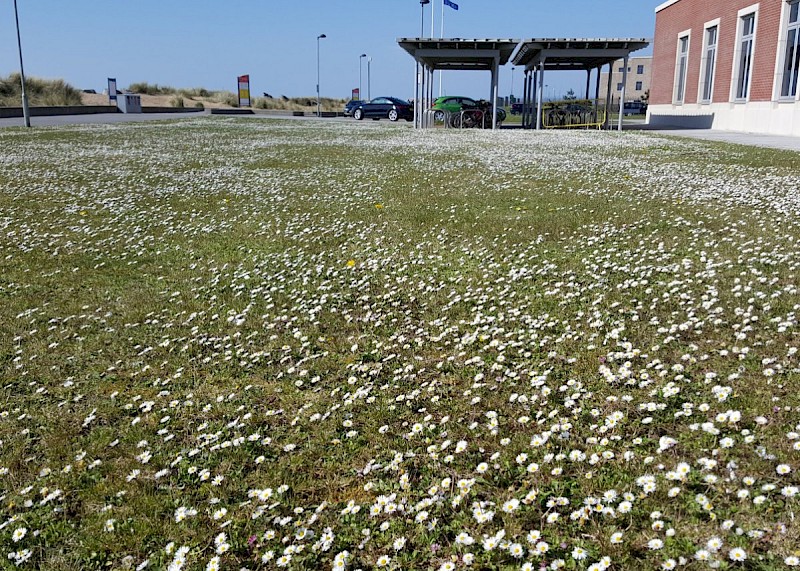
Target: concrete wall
x: 9, y: 112
x: 12, y: 112
x: 172, y: 109
x: 767, y: 117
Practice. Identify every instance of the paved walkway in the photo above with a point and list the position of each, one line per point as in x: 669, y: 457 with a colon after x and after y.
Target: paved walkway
x: 771, y: 141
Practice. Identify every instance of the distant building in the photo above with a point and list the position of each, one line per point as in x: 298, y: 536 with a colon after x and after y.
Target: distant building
x: 638, y: 80
x: 727, y: 64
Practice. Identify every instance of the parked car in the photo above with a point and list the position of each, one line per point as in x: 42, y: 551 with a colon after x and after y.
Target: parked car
x: 634, y: 108
x: 456, y: 103
x: 391, y: 108
x: 516, y: 108
x: 350, y: 106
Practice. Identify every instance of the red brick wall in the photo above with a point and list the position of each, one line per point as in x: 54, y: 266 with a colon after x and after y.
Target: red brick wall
x: 692, y: 14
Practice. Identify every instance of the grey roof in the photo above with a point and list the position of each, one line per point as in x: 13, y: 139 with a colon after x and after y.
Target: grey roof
x: 574, y: 53
x: 459, y: 53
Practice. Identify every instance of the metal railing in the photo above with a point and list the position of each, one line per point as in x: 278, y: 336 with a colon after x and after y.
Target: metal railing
x: 433, y: 117
x: 464, y: 119
x: 584, y: 114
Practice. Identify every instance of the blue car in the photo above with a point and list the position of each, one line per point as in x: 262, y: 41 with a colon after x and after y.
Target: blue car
x: 350, y: 106
x: 390, y: 108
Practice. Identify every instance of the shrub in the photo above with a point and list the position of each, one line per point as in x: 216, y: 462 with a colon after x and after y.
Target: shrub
x: 176, y: 101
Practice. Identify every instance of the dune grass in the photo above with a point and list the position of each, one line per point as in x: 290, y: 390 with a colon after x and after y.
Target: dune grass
x: 229, y: 98
x: 40, y: 92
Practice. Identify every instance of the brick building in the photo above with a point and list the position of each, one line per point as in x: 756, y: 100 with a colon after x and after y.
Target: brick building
x: 638, y: 78
x: 727, y: 64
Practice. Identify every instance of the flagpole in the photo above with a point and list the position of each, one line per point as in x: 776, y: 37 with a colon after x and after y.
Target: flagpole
x: 433, y: 18
x: 441, y: 35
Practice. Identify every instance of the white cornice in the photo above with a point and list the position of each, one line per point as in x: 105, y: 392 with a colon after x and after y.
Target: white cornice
x: 666, y: 4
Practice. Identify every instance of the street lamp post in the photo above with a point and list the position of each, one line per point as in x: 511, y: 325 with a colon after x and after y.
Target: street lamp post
x: 360, y: 92
x: 319, y: 37
x: 369, y: 80
x: 25, y: 111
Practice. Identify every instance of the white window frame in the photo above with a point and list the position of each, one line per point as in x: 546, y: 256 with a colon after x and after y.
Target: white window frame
x: 737, y: 53
x: 703, y: 61
x: 780, y: 59
x: 688, y: 35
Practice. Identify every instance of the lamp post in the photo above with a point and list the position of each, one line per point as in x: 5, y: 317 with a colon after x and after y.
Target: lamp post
x: 512, y: 83
x: 25, y: 111
x: 360, y: 92
x: 319, y: 37
x: 369, y: 80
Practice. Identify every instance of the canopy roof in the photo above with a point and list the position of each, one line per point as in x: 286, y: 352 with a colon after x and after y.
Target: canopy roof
x: 459, y: 53
x: 574, y: 53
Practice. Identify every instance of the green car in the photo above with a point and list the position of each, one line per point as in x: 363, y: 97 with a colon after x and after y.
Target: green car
x: 456, y: 103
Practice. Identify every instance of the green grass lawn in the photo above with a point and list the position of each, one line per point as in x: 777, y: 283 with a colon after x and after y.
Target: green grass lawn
x: 232, y: 343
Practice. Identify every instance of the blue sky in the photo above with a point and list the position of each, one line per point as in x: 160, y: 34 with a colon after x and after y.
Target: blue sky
x: 207, y: 43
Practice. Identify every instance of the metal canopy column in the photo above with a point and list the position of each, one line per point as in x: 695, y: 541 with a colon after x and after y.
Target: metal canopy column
x: 533, y: 91
x: 588, y: 81
x: 416, y: 94
x: 622, y: 93
x: 495, y: 87
x: 527, y: 101
x: 430, y: 91
x: 540, y: 96
x: 597, y: 93
x: 524, y: 96
x: 423, y: 94
x: 607, y: 122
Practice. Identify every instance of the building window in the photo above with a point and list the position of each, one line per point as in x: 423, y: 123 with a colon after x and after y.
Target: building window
x: 709, y: 64
x: 791, y: 57
x: 638, y: 86
x: 744, y: 60
x: 639, y: 69
x: 681, y: 68
x: 619, y: 86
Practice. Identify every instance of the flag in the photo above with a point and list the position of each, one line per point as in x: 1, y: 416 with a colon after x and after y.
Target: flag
x: 453, y: 5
